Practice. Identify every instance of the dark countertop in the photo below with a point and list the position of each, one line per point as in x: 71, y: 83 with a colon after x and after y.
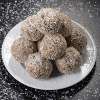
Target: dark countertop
x: 86, y: 12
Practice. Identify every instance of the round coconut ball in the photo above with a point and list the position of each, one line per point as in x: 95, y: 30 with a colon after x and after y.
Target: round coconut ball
x: 49, y: 22
x: 78, y: 39
x: 70, y: 61
x: 52, y: 46
x: 66, y: 27
x: 29, y: 29
x: 21, y: 48
x: 38, y: 67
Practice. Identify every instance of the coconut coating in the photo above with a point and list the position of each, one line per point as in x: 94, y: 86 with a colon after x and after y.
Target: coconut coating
x: 21, y: 48
x: 52, y: 46
x: 29, y: 29
x: 78, y: 39
x: 70, y: 61
x: 49, y: 22
x: 66, y: 27
x: 38, y: 67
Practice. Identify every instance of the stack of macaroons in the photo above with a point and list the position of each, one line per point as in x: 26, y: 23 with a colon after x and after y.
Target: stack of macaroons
x: 49, y: 35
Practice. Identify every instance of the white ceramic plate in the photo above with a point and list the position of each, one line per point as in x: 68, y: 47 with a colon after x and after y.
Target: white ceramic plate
x: 61, y: 81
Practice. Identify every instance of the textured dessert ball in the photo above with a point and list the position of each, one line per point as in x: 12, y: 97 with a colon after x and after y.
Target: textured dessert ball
x: 78, y: 39
x: 38, y: 67
x: 66, y: 27
x: 21, y: 48
x: 70, y: 61
x: 29, y: 29
x: 49, y: 22
x: 52, y: 46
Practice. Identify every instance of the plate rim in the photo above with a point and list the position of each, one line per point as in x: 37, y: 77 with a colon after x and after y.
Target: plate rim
x: 90, y: 69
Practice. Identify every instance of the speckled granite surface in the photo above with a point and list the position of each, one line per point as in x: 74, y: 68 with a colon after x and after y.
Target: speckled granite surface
x: 86, y: 12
